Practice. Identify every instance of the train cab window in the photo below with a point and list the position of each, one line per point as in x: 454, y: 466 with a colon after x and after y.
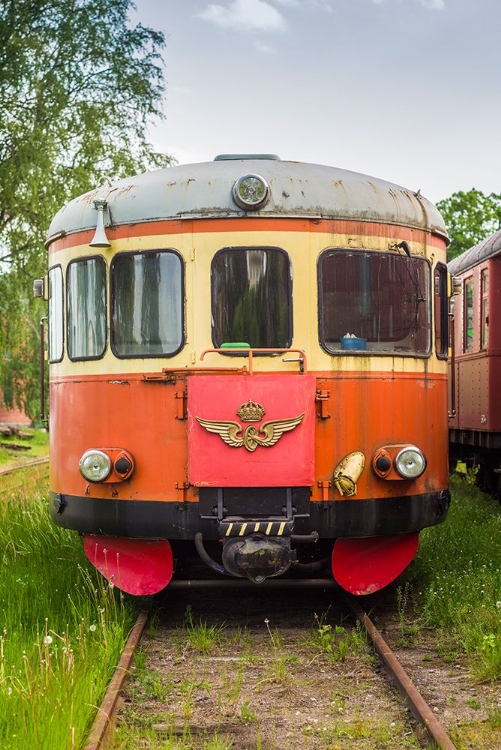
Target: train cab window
x: 146, y: 304
x: 56, y: 321
x: 86, y: 308
x: 484, y: 339
x: 251, y: 297
x: 374, y: 302
x: 468, y: 315
x: 441, y: 311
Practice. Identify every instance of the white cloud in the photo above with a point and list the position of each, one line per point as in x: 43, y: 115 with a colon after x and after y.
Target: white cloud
x: 264, y: 48
x: 245, y: 15
x: 323, y: 5
x: 432, y: 4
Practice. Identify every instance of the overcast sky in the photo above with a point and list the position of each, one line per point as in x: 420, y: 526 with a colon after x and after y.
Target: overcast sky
x: 403, y: 90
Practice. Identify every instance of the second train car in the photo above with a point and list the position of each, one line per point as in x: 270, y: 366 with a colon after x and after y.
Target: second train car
x: 248, y: 362
x: 475, y: 365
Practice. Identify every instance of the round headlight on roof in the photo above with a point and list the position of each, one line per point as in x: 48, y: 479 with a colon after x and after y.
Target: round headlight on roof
x: 251, y: 192
x: 410, y: 462
x: 95, y: 465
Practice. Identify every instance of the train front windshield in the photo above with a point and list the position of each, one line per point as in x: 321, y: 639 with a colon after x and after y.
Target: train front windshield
x: 251, y: 297
x: 380, y: 300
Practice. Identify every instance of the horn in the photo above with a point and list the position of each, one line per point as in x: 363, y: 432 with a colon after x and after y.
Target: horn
x: 100, y: 239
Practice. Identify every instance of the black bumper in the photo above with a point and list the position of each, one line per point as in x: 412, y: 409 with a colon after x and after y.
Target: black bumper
x: 174, y: 520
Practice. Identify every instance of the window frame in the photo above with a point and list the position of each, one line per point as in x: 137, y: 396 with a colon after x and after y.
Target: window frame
x: 51, y: 317
x: 85, y: 259
x: 337, y: 250
x: 443, y: 311
x: 182, y: 296
x: 468, y: 283
x: 243, y: 248
x: 484, y: 308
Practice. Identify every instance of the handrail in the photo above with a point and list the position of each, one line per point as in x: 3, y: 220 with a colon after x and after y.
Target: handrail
x: 250, y: 352
x: 43, y: 416
x: 452, y: 365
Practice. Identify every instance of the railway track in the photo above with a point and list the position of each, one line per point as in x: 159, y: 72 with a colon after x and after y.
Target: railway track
x: 26, y: 476
x: 285, y: 666
x: 27, y: 465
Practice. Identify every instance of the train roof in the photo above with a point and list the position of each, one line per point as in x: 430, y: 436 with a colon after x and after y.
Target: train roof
x: 204, y: 190
x: 488, y: 248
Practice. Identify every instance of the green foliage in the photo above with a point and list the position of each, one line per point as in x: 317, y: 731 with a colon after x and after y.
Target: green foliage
x: 20, y: 314
x: 201, y: 637
x: 469, y: 474
x: 246, y: 715
x: 408, y: 633
x: 469, y: 218
x: 61, y: 633
x: 78, y: 88
x: 458, y: 571
x: 334, y: 642
x: 330, y: 640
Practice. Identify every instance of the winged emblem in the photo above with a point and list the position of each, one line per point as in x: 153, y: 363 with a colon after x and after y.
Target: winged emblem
x: 236, y: 435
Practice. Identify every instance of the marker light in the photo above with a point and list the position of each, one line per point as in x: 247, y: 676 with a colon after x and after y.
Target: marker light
x: 123, y: 465
x: 410, y: 462
x: 95, y: 466
x: 382, y: 463
x: 250, y: 192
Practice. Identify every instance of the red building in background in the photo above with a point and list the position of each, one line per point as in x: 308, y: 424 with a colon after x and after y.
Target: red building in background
x: 12, y: 417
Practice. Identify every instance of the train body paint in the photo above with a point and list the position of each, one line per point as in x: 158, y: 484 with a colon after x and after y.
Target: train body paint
x: 248, y: 361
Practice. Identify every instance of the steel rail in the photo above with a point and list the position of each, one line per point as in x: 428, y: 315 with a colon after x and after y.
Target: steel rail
x: 99, y: 733
x: 413, y: 698
x: 102, y: 727
x: 35, y: 462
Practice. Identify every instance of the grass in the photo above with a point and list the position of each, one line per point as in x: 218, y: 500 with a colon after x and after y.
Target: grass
x: 333, y: 641
x: 455, y: 583
x: 368, y: 735
x: 148, y: 738
x: 233, y: 695
x: 36, y: 447
x: 457, y: 579
x: 201, y: 637
x: 61, y: 631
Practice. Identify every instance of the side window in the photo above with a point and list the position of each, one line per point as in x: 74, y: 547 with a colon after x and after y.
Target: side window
x: 379, y: 302
x: 86, y: 308
x: 251, y: 297
x: 146, y: 304
x: 484, y: 333
x: 441, y: 317
x: 468, y: 315
x: 56, y: 320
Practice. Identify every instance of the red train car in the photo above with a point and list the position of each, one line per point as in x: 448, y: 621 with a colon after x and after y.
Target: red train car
x: 475, y: 382
x: 248, y: 361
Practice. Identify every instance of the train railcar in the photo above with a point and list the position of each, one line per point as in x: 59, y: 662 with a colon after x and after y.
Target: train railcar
x: 248, y: 361
x: 475, y: 374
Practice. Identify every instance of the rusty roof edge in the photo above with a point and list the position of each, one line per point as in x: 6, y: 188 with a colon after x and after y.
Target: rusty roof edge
x: 487, y: 248
x: 298, y: 190
x: 187, y: 216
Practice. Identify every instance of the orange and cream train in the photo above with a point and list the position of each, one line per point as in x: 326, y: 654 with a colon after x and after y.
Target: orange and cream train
x: 248, y: 362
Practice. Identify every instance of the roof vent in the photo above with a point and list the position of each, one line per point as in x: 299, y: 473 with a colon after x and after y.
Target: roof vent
x: 239, y: 157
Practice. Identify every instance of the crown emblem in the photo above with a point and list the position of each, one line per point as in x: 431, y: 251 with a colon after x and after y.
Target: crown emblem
x: 250, y: 412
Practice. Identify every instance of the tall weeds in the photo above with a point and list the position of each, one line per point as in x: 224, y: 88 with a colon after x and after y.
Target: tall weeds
x: 61, y: 631
x: 458, y: 575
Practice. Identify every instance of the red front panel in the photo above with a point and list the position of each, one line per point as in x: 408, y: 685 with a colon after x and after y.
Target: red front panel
x: 255, y: 431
